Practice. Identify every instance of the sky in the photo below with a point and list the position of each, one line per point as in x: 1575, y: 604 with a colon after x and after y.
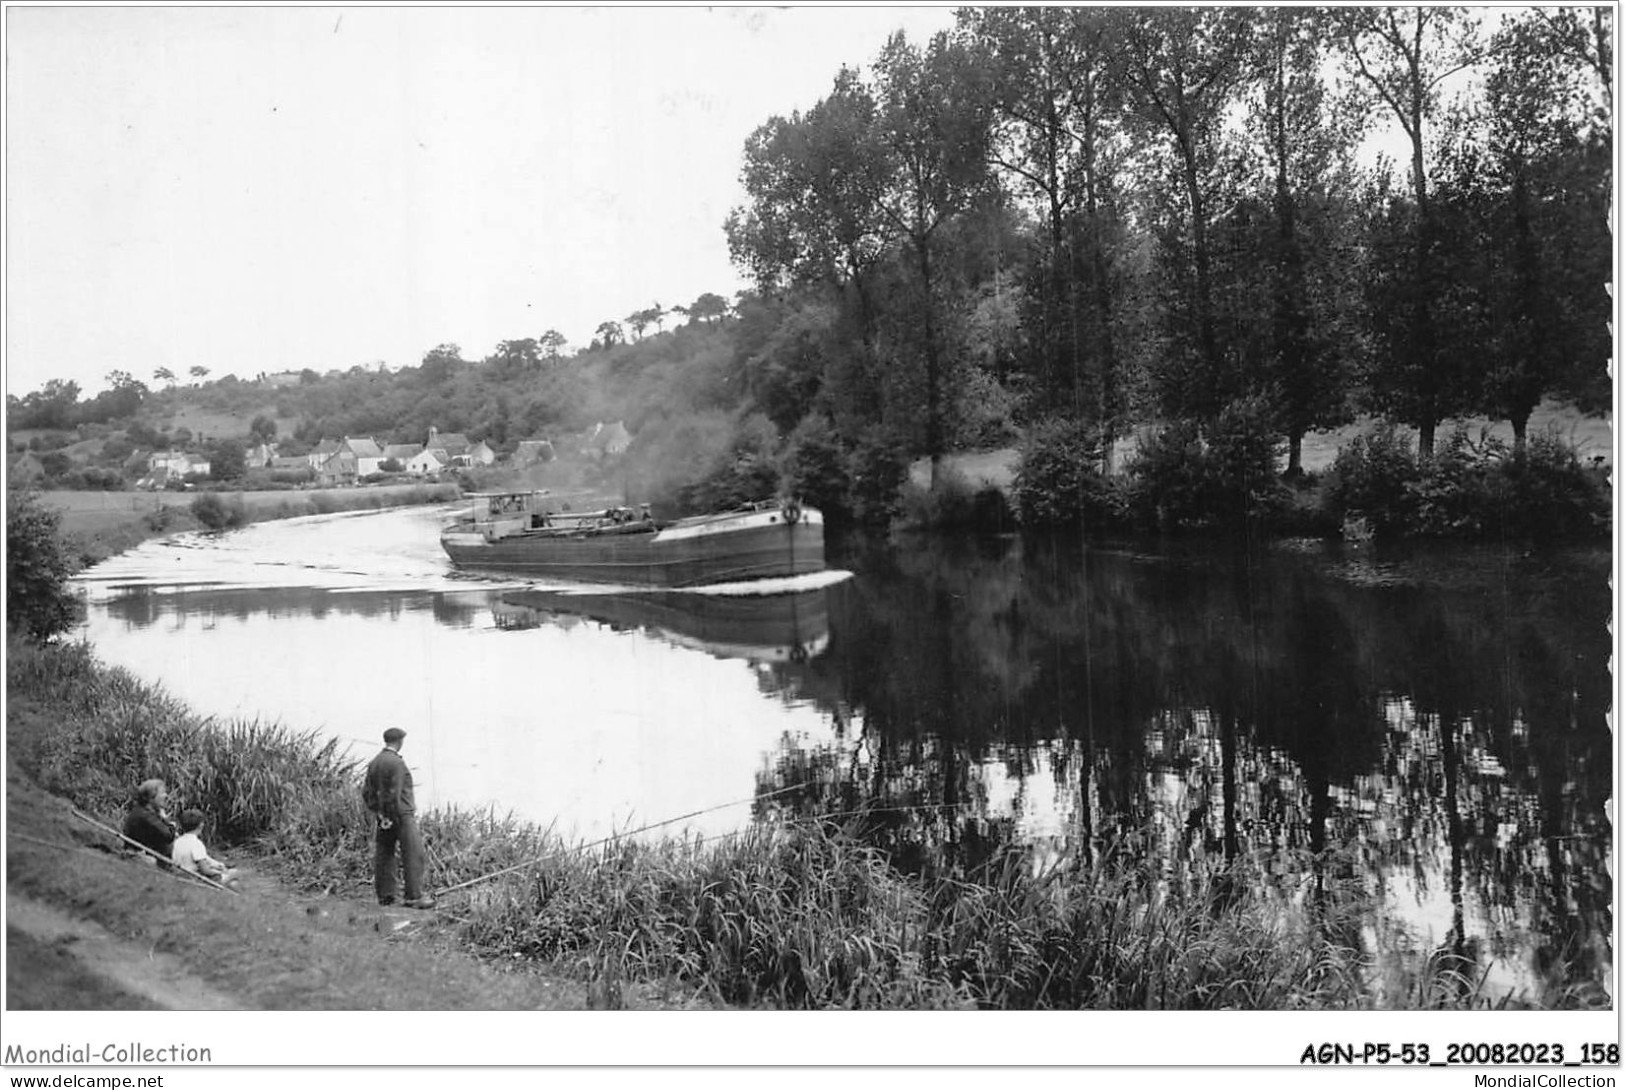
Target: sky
x: 256, y: 190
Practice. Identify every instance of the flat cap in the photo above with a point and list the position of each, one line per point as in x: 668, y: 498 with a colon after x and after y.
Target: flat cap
x: 393, y: 734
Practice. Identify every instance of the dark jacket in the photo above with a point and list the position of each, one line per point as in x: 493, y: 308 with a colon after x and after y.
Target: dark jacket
x: 387, y: 790
x: 145, y: 825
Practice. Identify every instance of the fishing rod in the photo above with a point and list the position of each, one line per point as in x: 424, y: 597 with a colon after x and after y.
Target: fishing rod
x: 169, y: 866
x: 614, y: 837
x: 696, y: 813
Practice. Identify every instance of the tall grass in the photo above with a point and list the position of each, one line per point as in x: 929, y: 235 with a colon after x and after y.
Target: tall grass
x: 801, y: 914
x: 804, y: 916
x: 256, y: 782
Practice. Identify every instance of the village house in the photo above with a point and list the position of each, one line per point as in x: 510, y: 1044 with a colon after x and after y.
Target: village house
x: 480, y: 454
x: 260, y: 456
x: 427, y: 463
x: 607, y: 440
x: 338, y: 470
x: 321, y: 453
x: 177, y: 463
x: 402, y: 452
x: 452, y: 446
x: 290, y: 465
x: 164, y: 466
x: 368, y: 454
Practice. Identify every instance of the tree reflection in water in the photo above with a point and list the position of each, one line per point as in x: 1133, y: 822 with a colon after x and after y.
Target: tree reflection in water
x: 1428, y: 728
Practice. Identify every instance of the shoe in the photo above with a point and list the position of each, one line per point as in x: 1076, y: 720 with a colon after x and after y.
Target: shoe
x: 419, y: 902
x: 386, y: 901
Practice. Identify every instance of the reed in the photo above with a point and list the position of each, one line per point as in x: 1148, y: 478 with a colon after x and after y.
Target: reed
x: 805, y: 916
x: 258, y: 782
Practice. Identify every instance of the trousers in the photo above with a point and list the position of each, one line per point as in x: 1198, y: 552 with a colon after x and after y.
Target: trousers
x: 403, y: 834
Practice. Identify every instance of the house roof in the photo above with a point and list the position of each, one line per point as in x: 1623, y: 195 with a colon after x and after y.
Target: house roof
x: 402, y: 452
x: 364, y: 447
x: 452, y: 442
x: 431, y: 454
x: 326, y: 446
x: 339, y: 461
x: 611, y: 437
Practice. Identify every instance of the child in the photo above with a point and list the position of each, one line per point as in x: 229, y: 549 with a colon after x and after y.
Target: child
x: 190, y: 854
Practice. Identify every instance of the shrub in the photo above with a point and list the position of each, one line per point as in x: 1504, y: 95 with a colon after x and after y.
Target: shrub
x: 746, y: 471
x: 1188, y: 478
x: 954, y: 502
x: 1454, y: 494
x: 877, y: 471
x: 1168, y: 478
x: 1371, y: 479
x: 163, y: 519
x: 38, y: 601
x: 1467, y: 489
x: 1058, y: 480
x: 217, y: 514
x: 1242, y: 450
x: 1548, y: 494
x: 815, y: 467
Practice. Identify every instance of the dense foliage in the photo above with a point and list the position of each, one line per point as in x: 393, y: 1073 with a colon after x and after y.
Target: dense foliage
x: 1468, y: 489
x: 38, y: 601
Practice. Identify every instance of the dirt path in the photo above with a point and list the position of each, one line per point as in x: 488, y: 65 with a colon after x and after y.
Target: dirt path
x: 64, y: 957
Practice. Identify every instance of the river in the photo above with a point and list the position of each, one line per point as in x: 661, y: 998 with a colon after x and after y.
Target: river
x: 1429, y: 725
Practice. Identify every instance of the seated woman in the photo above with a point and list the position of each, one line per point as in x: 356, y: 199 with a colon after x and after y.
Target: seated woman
x: 147, y: 824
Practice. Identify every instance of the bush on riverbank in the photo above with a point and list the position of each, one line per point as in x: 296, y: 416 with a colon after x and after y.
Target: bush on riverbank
x: 38, y: 564
x: 1468, y: 489
x: 217, y: 514
x: 802, y: 914
x: 954, y: 503
x: 1186, y: 478
x: 1058, y: 482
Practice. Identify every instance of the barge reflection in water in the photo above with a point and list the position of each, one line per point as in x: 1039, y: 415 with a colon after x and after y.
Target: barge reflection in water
x: 785, y: 627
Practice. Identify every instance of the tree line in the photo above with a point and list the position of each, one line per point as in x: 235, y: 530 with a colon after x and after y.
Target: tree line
x: 1122, y: 216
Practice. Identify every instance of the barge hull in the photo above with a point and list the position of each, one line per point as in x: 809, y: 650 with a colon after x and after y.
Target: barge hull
x: 645, y: 560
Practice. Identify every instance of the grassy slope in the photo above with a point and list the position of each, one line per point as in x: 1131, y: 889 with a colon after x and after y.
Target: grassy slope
x: 268, y: 949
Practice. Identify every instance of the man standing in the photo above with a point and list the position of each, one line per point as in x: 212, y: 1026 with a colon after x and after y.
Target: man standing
x: 387, y: 792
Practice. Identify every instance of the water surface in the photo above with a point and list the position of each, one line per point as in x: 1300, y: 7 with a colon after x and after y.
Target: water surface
x: 1431, y: 726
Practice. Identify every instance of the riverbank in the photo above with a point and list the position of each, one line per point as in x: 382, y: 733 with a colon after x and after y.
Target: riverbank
x: 97, y: 525
x: 800, y: 914
x: 89, y: 929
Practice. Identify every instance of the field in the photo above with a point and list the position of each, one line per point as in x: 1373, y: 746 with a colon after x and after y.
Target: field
x: 91, y: 512
x: 97, y: 525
